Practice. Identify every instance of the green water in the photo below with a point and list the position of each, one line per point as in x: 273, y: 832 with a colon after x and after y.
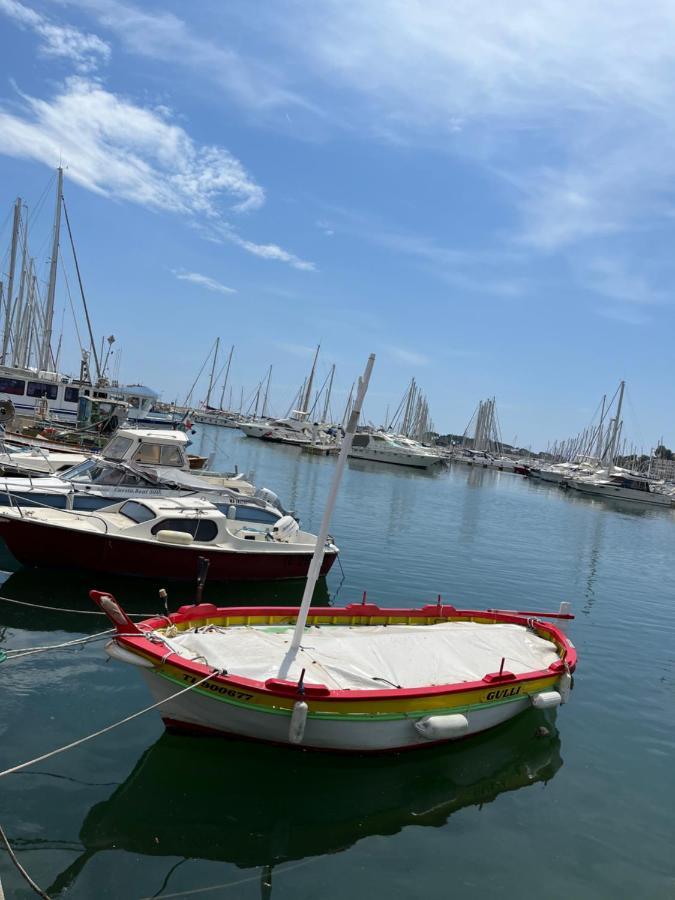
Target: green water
x: 584, y: 811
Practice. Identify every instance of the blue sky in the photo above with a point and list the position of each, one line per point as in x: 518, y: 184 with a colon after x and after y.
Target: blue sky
x: 481, y: 194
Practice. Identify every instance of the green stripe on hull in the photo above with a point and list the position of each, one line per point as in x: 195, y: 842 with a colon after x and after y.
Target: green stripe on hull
x: 353, y: 717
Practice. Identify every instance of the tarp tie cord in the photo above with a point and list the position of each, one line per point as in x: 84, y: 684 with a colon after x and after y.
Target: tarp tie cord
x: 107, y: 728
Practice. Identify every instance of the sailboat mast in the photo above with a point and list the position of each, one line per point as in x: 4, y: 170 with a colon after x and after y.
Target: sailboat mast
x: 227, y: 373
x: 330, y: 388
x: 213, y: 371
x: 308, y: 390
x: 51, y: 290
x: 10, y: 283
x: 267, y: 391
x: 317, y: 558
x: 617, y: 429
x: 19, y: 311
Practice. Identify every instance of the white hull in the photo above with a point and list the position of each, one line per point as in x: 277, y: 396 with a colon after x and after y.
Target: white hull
x: 552, y: 476
x: 204, y: 709
x: 417, y: 460
x: 614, y: 492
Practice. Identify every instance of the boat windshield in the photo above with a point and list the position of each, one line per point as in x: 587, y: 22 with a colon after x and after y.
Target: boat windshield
x: 81, y: 472
x: 117, y: 448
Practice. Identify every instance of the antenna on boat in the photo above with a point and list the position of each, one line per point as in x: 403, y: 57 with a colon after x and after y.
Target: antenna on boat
x: 317, y: 558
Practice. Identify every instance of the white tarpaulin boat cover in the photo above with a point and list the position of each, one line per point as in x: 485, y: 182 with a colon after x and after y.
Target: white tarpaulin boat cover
x: 370, y: 657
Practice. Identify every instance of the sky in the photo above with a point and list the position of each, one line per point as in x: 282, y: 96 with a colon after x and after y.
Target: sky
x: 482, y: 194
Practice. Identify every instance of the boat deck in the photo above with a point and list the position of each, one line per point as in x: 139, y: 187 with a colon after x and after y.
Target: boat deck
x: 376, y: 657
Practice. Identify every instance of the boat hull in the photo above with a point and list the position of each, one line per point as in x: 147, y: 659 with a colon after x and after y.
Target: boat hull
x: 613, y: 492
x: 400, y: 459
x: 37, y: 544
x: 197, y: 697
x: 208, y: 711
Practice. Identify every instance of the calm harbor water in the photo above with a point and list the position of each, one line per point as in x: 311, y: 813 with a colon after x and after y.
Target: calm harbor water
x: 585, y: 811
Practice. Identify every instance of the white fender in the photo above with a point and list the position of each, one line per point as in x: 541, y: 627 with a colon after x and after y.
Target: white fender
x: 442, y: 728
x: 182, y: 538
x: 296, y: 730
x: 546, y: 700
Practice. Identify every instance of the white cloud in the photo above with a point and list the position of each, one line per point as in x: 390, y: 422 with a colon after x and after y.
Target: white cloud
x: 204, y: 281
x: 572, y: 103
x: 272, y: 251
x: 613, y: 279
x: 296, y: 349
x: 164, y: 37
x: 409, y: 357
x: 482, y: 272
x: 112, y: 146
x: 85, y: 51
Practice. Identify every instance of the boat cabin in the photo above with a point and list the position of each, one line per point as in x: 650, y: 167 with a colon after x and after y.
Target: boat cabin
x: 148, y: 447
x: 632, y: 482
x: 194, y: 520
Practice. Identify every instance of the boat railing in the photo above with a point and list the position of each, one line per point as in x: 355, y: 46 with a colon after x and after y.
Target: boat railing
x: 88, y: 514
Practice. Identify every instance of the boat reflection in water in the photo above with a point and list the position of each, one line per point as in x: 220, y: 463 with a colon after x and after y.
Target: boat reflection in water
x: 220, y: 800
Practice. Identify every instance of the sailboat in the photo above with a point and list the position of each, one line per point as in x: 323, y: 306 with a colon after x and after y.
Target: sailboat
x: 356, y: 679
x: 619, y: 484
x: 29, y: 375
x: 295, y: 428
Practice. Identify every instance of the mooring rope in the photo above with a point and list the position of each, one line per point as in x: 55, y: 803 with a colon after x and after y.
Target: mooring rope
x: 38, y: 890
x: 89, y: 737
x: 20, y: 652
x: 79, y: 612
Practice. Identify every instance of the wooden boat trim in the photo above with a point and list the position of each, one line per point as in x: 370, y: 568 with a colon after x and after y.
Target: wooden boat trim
x: 274, y: 695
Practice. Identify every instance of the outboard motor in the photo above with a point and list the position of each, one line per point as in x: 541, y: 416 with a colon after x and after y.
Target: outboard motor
x: 284, y: 529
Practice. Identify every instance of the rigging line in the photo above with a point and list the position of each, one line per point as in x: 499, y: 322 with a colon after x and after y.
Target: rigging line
x: 37, y: 209
x: 70, y: 301
x: 84, y: 299
x: 107, y: 728
x: 188, y: 399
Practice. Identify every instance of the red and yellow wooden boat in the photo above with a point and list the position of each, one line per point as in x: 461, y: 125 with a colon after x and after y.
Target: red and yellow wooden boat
x: 364, y: 678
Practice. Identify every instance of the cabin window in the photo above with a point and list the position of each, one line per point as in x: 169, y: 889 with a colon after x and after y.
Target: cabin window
x: 117, y: 448
x: 171, y: 456
x: 40, y: 389
x: 13, y: 386
x: 71, y: 395
x: 148, y: 454
x: 360, y: 440
x: 137, y: 512
x: 200, y: 529
x: 254, y: 514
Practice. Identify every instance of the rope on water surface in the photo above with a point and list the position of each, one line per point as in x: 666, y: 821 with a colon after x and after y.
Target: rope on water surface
x: 38, y: 890
x: 88, y: 737
x: 20, y: 652
x: 79, y: 612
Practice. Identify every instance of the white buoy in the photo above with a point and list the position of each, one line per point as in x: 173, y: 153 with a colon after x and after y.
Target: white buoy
x: 296, y: 730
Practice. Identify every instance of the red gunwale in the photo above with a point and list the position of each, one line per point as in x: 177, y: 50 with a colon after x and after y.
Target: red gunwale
x: 157, y: 652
